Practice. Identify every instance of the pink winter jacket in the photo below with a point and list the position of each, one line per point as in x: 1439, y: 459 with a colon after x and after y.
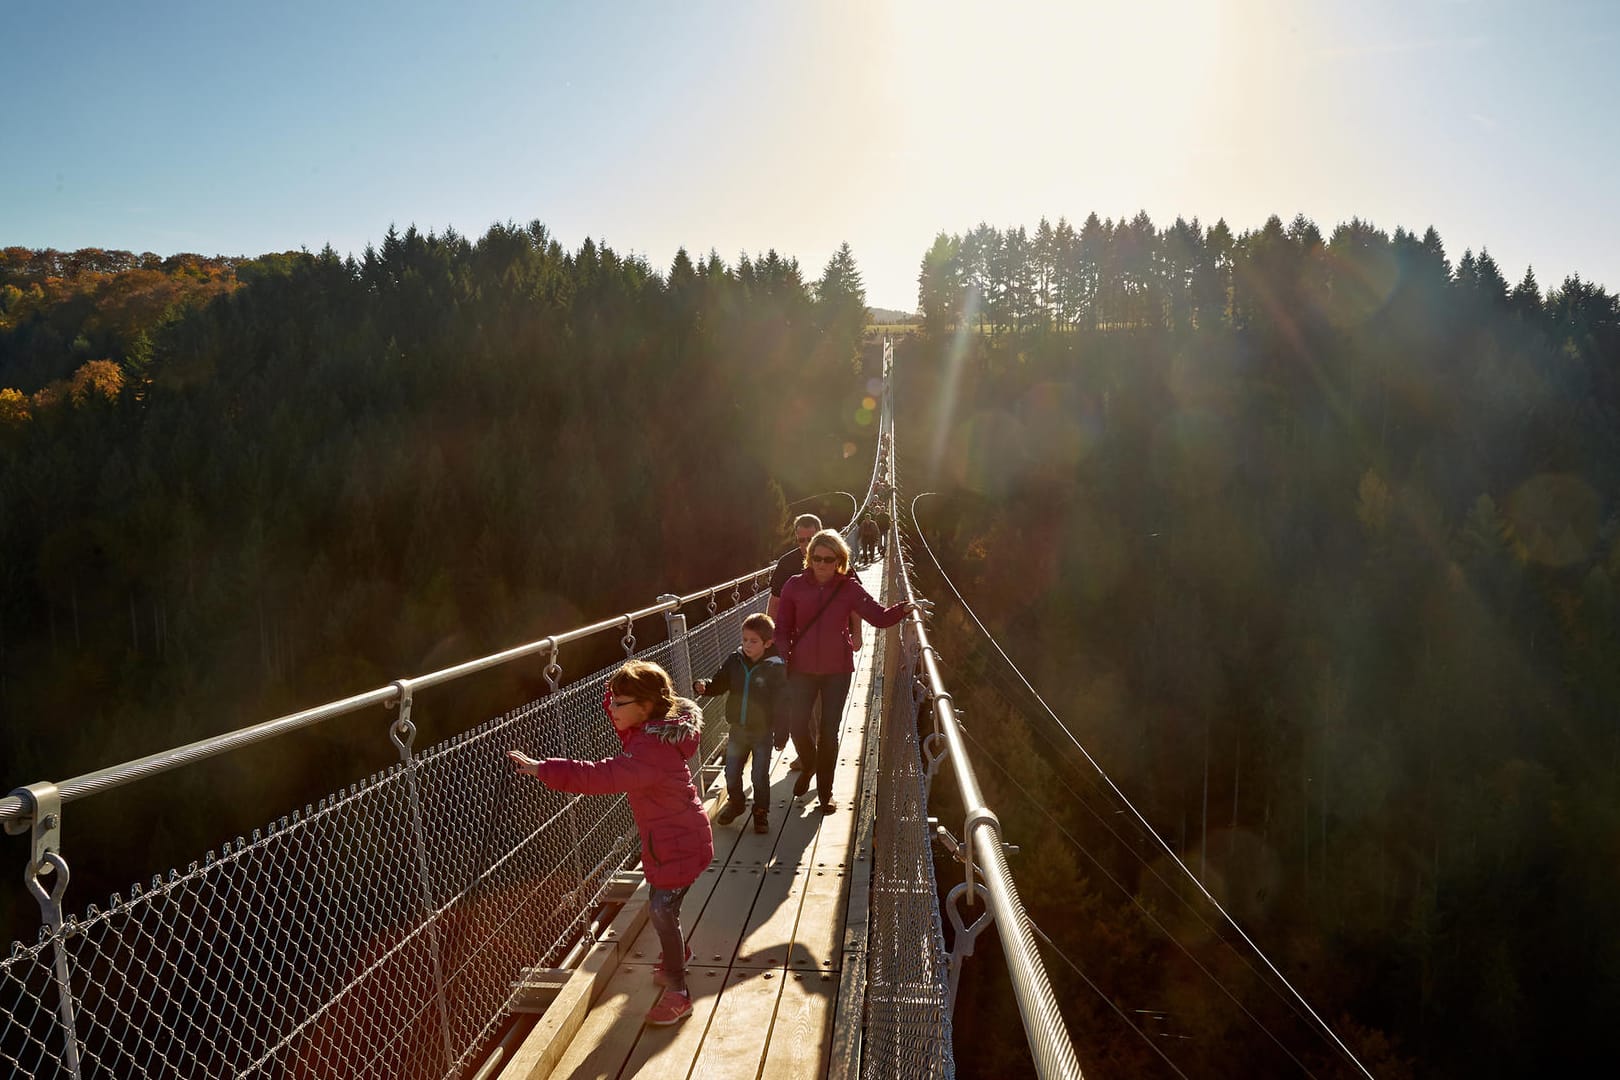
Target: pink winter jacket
x: 677, y: 844
x: 824, y: 648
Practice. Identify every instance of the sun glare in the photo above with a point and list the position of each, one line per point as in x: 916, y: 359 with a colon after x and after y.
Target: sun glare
x: 1121, y: 90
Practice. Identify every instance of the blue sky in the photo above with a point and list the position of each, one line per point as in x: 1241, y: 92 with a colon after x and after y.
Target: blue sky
x: 238, y: 128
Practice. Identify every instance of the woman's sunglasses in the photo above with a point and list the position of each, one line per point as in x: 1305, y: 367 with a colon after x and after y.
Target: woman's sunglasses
x: 824, y: 558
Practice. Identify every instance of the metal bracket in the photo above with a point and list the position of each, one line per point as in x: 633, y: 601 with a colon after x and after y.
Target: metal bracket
x: 672, y: 613
x: 629, y: 639
x: 43, y: 822
x: 553, y: 669
x: 402, y: 732
x: 976, y: 816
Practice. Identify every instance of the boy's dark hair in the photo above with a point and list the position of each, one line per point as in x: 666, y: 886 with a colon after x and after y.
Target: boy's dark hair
x: 761, y: 624
x: 641, y: 680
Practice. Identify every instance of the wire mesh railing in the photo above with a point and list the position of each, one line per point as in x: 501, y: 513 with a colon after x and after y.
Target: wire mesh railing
x: 379, y: 932
x: 912, y: 977
x: 908, y: 1020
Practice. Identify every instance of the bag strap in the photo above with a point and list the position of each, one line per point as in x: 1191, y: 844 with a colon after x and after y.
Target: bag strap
x: 825, y: 604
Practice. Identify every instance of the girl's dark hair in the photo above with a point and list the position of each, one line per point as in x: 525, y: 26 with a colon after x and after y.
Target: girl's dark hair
x: 642, y: 680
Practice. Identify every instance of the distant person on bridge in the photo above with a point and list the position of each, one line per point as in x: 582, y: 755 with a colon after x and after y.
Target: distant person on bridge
x: 757, y: 714
x: 869, y: 539
x: 884, y: 523
x: 660, y: 733
x: 813, y: 635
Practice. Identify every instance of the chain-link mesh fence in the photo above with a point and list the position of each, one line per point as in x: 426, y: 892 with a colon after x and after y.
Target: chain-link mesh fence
x: 908, y: 1023
x: 377, y: 933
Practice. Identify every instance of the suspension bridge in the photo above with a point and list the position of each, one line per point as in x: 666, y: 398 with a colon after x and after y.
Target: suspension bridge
x: 443, y: 918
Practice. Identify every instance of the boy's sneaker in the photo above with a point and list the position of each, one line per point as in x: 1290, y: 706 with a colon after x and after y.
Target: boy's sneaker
x: 673, y: 1007
x: 731, y: 813
x: 659, y: 978
x: 762, y: 821
x: 801, y: 783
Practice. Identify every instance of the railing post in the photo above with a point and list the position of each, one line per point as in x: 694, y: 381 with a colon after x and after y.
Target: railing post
x: 680, y: 650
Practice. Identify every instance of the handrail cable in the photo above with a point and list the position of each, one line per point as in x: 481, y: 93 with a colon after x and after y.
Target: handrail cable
x: 1168, y: 850
x: 1146, y: 911
x: 1007, y: 773
x: 13, y: 806
x: 1147, y: 866
x: 1049, y: 1041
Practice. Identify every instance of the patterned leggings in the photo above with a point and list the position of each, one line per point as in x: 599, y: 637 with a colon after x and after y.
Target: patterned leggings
x: 664, y: 909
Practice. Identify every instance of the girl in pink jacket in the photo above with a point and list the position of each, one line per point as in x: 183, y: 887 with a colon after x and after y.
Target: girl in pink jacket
x: 660, y: 733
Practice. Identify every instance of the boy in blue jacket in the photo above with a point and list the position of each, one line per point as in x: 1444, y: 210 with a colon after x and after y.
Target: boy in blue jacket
x: 755, y: 682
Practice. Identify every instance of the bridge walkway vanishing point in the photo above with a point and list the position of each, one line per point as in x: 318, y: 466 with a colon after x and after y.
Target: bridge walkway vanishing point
x: 769, y: 924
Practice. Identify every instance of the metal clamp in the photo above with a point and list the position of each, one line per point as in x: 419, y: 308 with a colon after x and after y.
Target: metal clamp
x: 736, y: 595
x: 552, y: 669
x: 712, y: 605
x: 42, y: 820
x: 978, y: 815
x: 629, y: 639
x: 402, y: 731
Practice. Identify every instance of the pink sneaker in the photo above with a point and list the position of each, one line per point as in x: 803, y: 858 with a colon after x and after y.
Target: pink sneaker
x: 659, y: 978
x: 672, y: 1008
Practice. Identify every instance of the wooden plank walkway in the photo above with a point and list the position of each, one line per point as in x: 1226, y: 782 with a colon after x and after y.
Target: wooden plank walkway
x: 766, y: 923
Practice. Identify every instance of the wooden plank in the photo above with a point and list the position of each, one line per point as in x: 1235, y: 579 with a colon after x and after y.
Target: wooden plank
x: 795, y: 844
x: 605, y: 1039
x: 818, y: 943
x: 555, y: 1031
x: 715, y: 938
x: 801, y: 1036
x: 767, y: 938
x: 616, y: 1041
x: 735, y: 1043
x: 848, y: 1019
x: 670, y: 1051
x: 835, y: 829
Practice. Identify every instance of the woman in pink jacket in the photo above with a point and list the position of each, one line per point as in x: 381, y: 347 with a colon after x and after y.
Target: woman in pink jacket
x: 813, y: 636
x: 660, y: 733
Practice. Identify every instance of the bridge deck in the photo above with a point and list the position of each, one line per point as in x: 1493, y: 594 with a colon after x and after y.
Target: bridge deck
x: 766, y: 923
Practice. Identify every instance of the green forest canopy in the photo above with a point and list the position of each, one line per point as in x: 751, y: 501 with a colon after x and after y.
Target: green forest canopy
x: 1314, y: 545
